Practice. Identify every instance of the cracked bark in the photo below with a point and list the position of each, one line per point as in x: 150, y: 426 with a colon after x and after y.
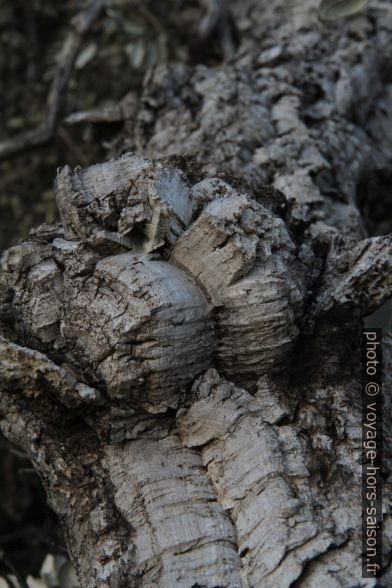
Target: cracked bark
x: 181, y: 356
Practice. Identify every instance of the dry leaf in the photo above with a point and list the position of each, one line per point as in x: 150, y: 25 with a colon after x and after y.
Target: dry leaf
x: 332, y: 9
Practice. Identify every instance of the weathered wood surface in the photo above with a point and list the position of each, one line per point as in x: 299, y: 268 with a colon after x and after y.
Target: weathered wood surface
x: 180, y: 357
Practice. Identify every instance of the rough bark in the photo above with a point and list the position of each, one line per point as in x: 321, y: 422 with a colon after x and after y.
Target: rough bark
x: 181, y: 356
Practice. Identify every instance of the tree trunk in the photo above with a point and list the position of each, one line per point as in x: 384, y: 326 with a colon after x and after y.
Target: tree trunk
x: 181, y: 357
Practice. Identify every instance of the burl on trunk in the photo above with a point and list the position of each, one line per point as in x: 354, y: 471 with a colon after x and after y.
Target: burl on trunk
x: 180, y: 357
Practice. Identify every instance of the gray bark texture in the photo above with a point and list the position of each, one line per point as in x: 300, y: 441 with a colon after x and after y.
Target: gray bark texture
x: 180, y: 358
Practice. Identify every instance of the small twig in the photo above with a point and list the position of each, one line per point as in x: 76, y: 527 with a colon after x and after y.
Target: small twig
x: 27, y: 7
x: 26, y: 471
x: 8, y: 563
x: 161, y: 33
x: 71, y: 47
x: 18, y: 452
x: 214, y: 10
x: 72, y: 146
x: 10, y: 583
x: 217, y: 19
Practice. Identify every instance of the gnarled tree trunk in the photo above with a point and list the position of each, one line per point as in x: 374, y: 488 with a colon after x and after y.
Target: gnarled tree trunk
x: 181, y: 356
